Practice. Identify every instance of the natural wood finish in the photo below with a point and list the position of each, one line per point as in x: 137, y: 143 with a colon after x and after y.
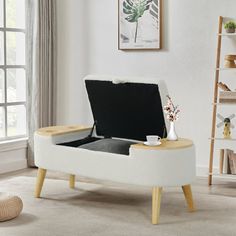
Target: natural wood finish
x: 231, y: 101
x: 230, y: 61
x: 230, y: 57
x: 227, y: 97
x: 39, y: 182
x: 189, y: 197
x: 166, y: 145
x: 72, y: 181
x: 222, y: 153
x: 156, y: 204
x: 215, y: 98
x: 58, y: 130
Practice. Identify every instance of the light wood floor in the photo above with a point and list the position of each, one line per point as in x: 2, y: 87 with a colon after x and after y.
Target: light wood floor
x: 115, y: 209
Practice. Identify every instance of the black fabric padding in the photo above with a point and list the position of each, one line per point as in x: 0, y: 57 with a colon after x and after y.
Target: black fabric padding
x: 109, y: 145
x: 79, y: 142
x: 126, y: 110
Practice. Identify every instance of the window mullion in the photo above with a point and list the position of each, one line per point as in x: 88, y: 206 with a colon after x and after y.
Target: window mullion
x: 12, y: 104
x: 5, y: 63
x: 12, y: 29
x: 12, y: 67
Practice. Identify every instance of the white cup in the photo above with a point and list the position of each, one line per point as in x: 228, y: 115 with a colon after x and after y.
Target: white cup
x: 153, y: 139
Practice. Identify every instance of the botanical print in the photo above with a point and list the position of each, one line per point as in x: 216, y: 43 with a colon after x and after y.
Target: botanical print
x: 139, y: 24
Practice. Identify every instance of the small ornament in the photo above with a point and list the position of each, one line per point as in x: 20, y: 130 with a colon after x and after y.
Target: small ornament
x: 227, y: 132
x: 172, y: 112
x: 226, y: 122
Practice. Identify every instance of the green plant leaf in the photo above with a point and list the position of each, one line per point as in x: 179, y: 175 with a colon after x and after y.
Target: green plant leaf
x: 131, y: 18
x: 127, y: 6
x: 130, y: 2
x: 127, y: 11
x: 135, y: 9
x: 154, y: 9
x: 230, y: 25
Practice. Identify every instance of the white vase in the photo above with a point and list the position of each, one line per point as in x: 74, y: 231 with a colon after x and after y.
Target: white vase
x: 172, y: 136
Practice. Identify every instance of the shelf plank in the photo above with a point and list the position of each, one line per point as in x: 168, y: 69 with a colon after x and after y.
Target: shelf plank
x: 227, y: 34
x: 222, y: 68
x: 223, y: 139
x: 224, y: 104
x: 224, y: 176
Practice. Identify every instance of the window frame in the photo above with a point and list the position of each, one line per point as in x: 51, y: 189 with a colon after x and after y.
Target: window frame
x: 4, y: 67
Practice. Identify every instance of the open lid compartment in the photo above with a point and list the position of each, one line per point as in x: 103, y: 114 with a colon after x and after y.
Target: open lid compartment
x: 126, y: 110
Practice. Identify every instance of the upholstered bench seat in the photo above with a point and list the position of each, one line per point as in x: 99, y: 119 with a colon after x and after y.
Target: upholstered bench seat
x: 109, y: 145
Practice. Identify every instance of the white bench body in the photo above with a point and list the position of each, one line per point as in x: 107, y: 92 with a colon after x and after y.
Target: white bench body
x: 142, y: 167
x: 147, y: 167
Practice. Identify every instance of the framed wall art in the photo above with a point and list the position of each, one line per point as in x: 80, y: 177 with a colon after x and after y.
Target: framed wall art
x: 139, y: 24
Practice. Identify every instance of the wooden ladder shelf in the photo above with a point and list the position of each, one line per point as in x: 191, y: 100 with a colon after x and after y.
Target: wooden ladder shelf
x: 215, y: 98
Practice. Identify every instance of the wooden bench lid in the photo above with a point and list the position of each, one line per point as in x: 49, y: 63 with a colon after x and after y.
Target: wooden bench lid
x: 57, y: 130
x: 166, y: 145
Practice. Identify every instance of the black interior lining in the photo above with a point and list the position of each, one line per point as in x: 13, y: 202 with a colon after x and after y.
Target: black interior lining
x: 80, y: 142
x: 126, y: 110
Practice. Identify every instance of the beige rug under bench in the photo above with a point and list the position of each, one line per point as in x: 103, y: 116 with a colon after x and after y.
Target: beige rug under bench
x: 102, y: 210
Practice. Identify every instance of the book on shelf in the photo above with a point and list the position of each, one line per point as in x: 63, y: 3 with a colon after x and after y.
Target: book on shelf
x: 227, y: 97
x: 229, y: 166
x: 232, y: 163
x: 226, y: 168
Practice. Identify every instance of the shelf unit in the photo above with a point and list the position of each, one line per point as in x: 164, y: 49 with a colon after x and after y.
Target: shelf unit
x: 215, y: 103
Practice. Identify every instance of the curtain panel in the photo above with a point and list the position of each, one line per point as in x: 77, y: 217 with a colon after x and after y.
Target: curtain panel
x: 41, y: 67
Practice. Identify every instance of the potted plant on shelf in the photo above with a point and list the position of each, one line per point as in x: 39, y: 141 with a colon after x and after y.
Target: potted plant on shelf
x: 230, y: 27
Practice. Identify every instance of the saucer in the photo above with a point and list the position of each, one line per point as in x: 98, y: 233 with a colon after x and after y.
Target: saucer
x: 152, y: 144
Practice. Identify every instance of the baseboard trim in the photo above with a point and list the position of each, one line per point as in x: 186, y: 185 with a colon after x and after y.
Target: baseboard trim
x: 13, y: 160
x: 203, y: 171
x: 13, y: 166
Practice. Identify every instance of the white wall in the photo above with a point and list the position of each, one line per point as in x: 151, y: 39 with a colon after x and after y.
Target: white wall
x: 87, y: 32
x: 72, y: 61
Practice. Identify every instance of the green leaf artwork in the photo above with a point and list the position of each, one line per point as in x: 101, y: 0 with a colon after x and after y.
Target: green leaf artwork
x: 135, y: 10
x: 154, y: 9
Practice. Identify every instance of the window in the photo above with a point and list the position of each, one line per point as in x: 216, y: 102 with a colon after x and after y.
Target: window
x: 12, y: 69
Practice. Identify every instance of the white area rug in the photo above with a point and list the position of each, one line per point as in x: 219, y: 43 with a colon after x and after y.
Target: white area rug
x: 93, y: 209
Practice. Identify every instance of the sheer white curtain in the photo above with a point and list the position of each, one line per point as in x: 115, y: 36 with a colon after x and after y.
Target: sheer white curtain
x: 41, y: 66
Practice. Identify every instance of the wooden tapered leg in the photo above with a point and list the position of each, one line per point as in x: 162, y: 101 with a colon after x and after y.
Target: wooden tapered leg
x: 72, y: 181
x: 156, y: 204
x: 189, y: 197
x: 39, y: 183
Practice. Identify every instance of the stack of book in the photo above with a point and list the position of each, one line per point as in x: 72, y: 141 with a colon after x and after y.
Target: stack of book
x: 227, y: 97
x: 229, y: 162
